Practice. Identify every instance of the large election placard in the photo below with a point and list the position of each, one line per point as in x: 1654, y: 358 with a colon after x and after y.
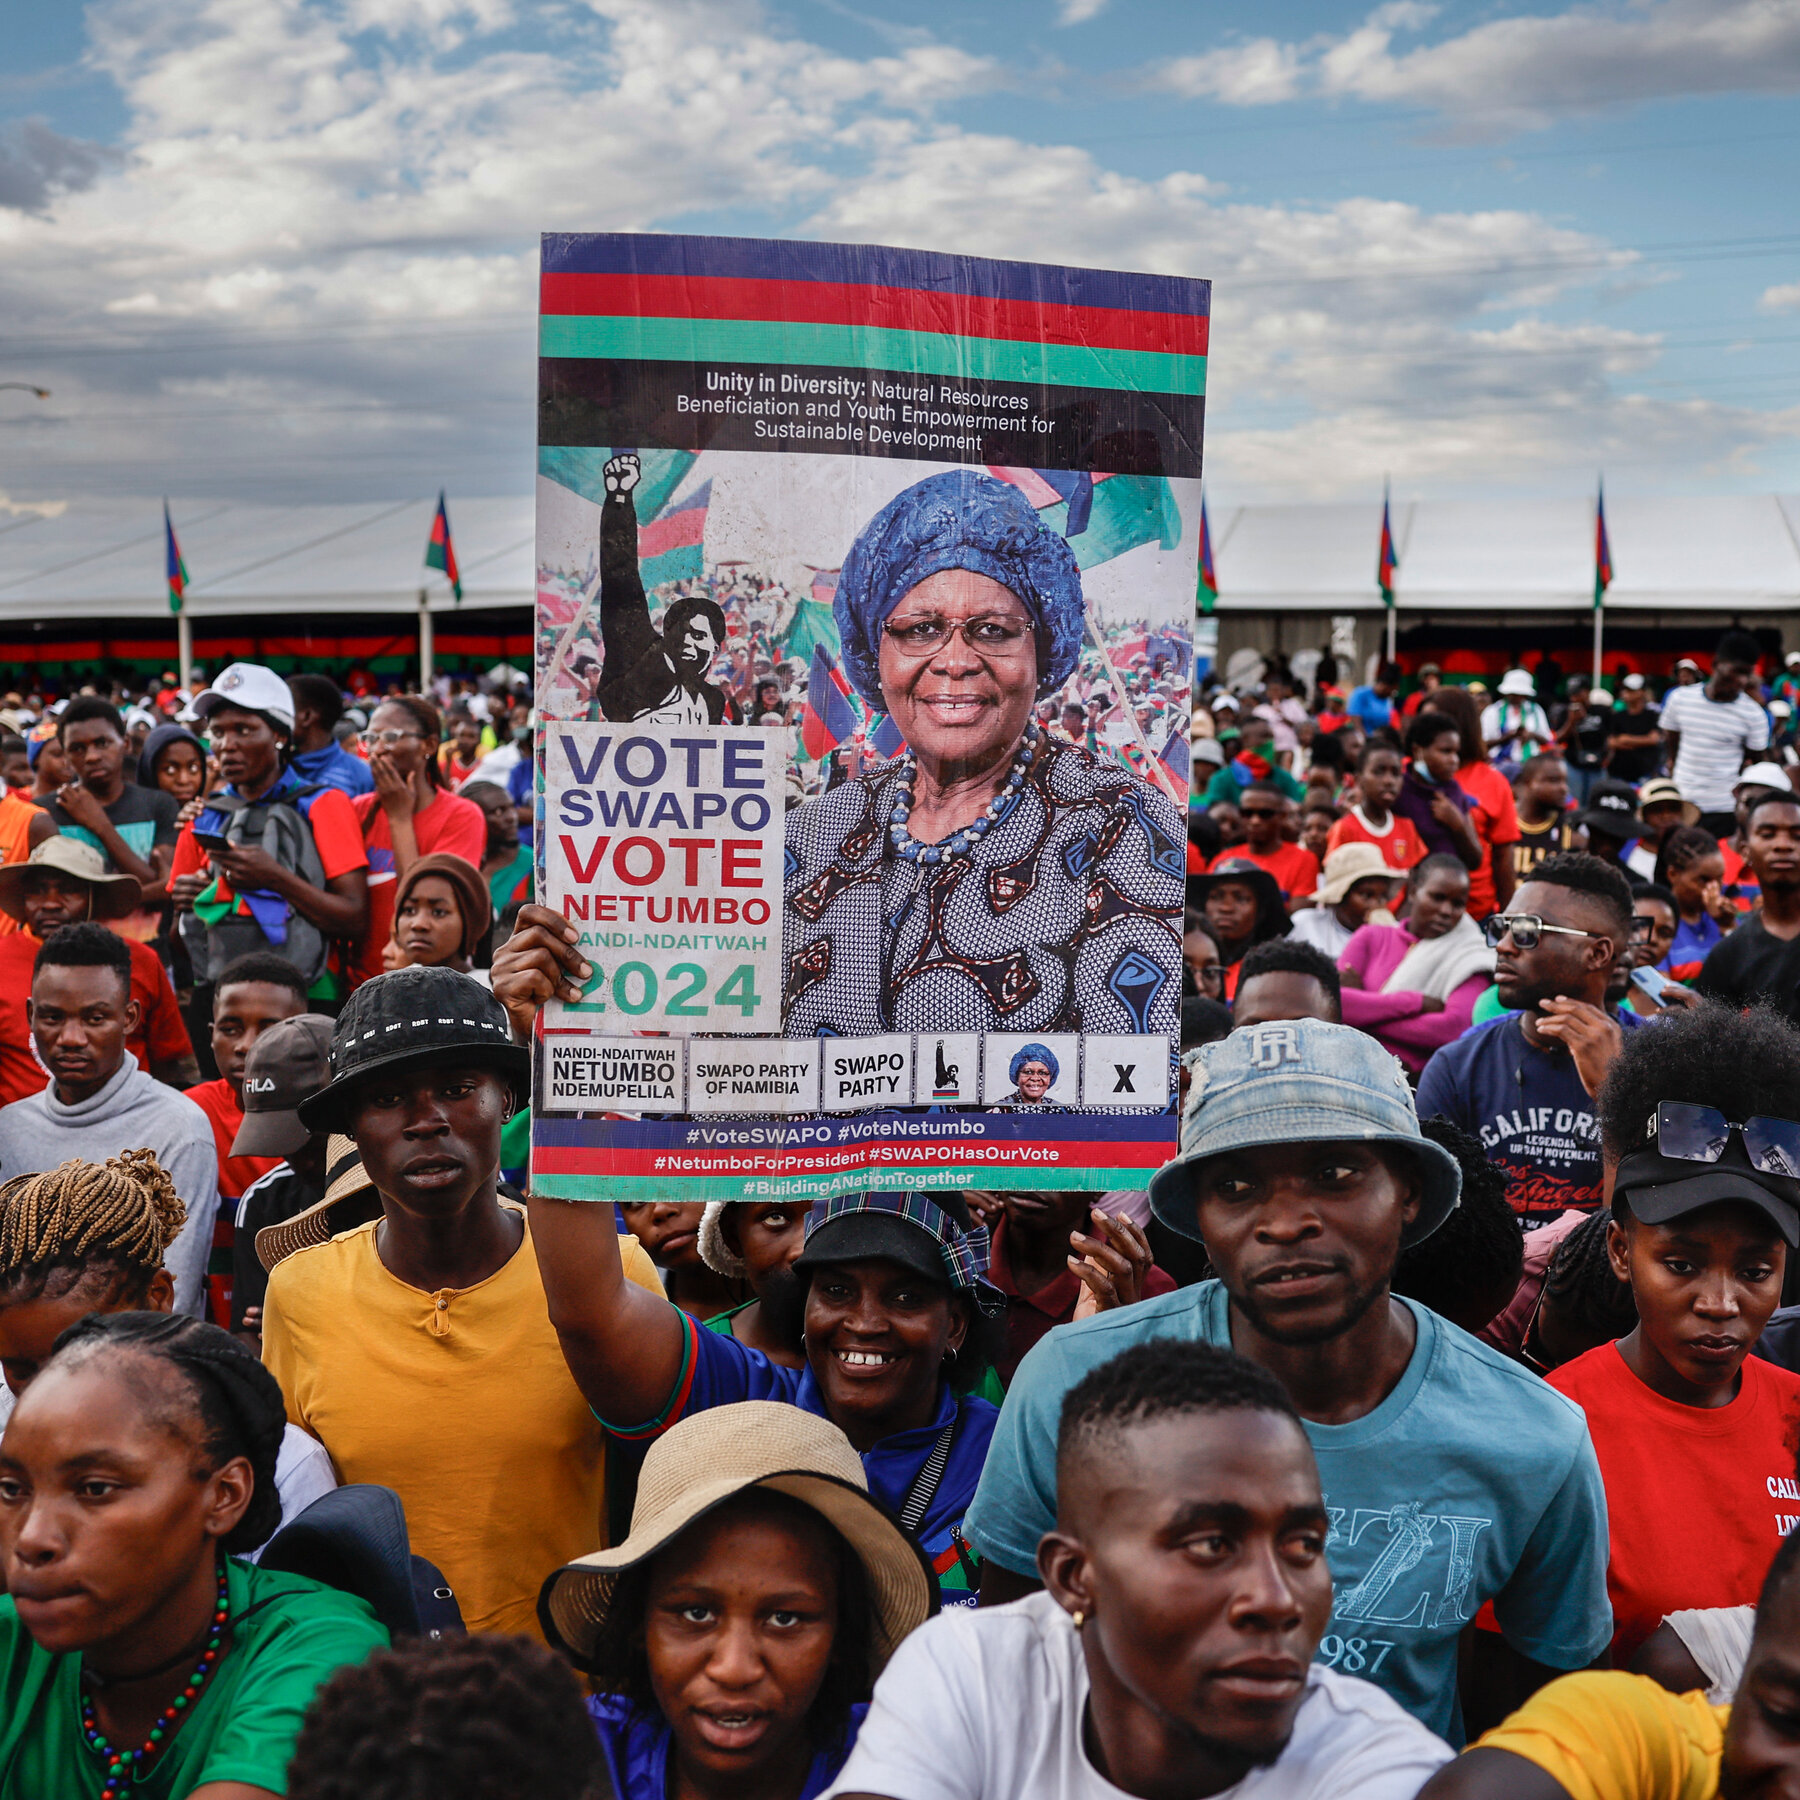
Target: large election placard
x: 864, y: 644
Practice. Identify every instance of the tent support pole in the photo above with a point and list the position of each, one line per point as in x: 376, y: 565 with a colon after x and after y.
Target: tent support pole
x: 1393, y: 630
x: 425, y: 654
x: 184, y: 648
x: 1599, y: 627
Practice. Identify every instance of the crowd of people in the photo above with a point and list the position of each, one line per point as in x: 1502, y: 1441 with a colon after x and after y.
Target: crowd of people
x: 1428, y: 1425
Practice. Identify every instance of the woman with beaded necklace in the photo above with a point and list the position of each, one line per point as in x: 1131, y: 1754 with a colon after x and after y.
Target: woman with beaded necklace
x: 993, y: 878
x: 139, y: 1659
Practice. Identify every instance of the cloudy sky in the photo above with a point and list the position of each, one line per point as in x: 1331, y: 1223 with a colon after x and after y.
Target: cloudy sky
x: 286, y: 249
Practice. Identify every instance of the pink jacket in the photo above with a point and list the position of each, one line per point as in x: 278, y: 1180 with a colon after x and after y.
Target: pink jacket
x: 1394, y: 1020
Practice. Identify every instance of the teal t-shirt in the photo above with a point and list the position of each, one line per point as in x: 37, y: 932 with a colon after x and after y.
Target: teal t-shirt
x: 1471, y: 1481
x: 290, y: 1635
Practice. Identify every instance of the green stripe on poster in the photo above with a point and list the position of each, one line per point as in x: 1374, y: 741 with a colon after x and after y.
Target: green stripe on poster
x: 860, y: 348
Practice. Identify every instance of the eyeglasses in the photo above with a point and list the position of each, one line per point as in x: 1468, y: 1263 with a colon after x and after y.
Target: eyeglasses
x: 1526, y: 929
x: 1642, y: 926
x: 1258, y: 812
x: 994, y: 633
x: 1699, y: 1134
x: 389, y: 738
x: 1210, y: 976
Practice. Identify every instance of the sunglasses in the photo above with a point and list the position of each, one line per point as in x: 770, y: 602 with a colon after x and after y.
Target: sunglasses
x: 1699, y: 1134
x: 1526, y: 929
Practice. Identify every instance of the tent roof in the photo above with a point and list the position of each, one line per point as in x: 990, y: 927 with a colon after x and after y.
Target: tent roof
x: 1724, y: 553
x: 104, y: 558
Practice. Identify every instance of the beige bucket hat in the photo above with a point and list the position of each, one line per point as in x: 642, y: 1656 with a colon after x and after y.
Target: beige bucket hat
x: 709, y: 1458
x: 350, y: 1200
x: 1346, y: 866
x: 114, y: 895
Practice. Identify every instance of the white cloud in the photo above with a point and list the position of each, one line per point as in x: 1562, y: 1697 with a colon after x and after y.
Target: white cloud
x: 1078, y: 12
x: 1522, y: 70
x: 311, y: 275
x: 1785, y: 298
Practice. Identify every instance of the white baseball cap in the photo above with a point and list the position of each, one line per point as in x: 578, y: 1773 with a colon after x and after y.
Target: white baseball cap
x: 1633, y: 682
x: 1516, y: 684
x: 253, y: 687
x: 1763, y: 775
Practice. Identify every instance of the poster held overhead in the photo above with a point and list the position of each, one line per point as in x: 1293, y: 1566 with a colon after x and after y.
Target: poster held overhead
x: 905, y: 508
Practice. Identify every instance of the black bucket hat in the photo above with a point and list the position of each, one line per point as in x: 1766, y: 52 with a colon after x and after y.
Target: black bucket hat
x: 411, y: 1016
x: 1271, y: 914
x: 1612, y: 809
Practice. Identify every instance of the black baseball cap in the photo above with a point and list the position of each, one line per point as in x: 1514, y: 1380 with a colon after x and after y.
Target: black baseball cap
x: 412, y: 1016
x: 1658, y: 1188
x: 1612, y: 809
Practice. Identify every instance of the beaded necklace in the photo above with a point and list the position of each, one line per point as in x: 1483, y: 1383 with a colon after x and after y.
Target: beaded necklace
x: 125, y: 1768
x: 908, y: 846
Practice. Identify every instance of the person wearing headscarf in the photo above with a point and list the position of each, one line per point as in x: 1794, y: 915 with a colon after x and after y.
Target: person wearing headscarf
x: 1033, y: 1071
x: 442, y: 914
x: 992, y: 878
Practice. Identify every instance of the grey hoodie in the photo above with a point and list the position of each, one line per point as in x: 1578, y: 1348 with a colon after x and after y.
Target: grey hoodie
x: 130, y: 1112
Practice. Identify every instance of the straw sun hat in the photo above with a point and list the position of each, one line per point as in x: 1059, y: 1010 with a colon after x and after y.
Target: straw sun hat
x: 710, y: 1458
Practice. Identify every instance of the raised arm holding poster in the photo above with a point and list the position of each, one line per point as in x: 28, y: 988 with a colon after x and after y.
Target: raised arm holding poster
x: 920, y: 938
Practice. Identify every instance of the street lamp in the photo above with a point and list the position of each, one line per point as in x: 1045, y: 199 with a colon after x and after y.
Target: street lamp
x: 29, y: 387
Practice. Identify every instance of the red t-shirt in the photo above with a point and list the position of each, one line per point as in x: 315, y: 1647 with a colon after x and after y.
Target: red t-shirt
x: 225, y: 1113
x: 449, y: 826
x: 1697, y: 1497
x: 1400, y: 845
x: 1495, y: 816
x: 160, y: 1037
x: 1296, y: 871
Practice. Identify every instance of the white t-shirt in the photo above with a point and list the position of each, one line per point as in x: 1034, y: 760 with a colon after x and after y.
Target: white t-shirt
x: 1715, y: 735
x: 987, y: 1704
x: 1322, y: 928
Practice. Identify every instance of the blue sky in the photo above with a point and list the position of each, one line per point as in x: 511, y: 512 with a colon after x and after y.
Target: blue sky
x: 285, y: 250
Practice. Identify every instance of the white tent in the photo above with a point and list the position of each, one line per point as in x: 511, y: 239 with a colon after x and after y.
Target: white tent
x: 103, y: 559
x: 1725, y: 553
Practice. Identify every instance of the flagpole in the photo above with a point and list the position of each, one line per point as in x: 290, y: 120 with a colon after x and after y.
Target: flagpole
x: 184, y: 648
x: 425, y: 657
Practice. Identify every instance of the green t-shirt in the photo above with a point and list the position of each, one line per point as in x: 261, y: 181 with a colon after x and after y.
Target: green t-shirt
x: 290, y: 1635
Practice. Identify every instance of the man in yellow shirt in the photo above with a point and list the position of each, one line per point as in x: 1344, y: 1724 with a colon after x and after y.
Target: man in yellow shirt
x: 1612, y: 1736
x: 418, y: 1347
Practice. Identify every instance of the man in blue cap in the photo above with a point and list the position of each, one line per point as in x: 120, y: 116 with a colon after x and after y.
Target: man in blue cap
x: 1452, y: 1476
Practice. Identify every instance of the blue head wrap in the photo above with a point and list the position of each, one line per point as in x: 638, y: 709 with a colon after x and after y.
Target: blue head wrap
x: 1034, y: 1053
x: 958, y: 520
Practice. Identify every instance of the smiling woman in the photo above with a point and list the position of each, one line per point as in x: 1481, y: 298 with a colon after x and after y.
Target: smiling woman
x: 993, y: 878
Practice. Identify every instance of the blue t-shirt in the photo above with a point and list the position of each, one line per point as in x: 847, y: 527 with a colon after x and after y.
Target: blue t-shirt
x: 1471, y: 1481
x: 719, y: 1371
x: 1528, y: 1107
x: 636, y: 1747
x: 334, y: 766
x: 1365, y: 704
x: 1689, y: 949
x: 519, y: 784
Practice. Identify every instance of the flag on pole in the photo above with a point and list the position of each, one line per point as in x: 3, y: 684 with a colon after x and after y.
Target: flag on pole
x: 830, y: 716
x: 440, y: 553
x: 177, y: 569
x: 1209, y: 580
x: 1386, y: 562
x: 1603, y: 569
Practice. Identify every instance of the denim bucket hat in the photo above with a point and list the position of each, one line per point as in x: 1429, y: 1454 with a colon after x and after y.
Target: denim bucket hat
x: 1299, y: 1081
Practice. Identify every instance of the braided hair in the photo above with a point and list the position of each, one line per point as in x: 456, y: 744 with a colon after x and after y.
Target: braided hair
x: 1581, y: 1281
x: 82, y: 1220
x: 484, y: 1717
x: 237, y: 1402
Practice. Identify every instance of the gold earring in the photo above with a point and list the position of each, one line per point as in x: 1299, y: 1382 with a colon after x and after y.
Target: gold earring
x: 1078, y: 1618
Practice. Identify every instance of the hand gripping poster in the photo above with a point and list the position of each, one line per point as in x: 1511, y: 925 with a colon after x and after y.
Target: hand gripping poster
x: 864, y: 640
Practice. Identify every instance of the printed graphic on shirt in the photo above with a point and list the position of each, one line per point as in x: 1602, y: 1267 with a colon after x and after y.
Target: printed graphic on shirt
x: 1551, y: 1155
x: 1396, y: 1569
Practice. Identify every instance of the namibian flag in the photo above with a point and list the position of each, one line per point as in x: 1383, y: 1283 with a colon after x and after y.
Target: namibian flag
x: 824, y: 585
x: 884, y: 736
x: 1209, y: 580
x: 672, y: 547
x: 1386, y: 562
x: 440, y: 552
x: 177, y: 569
x: 1101, y: 516
x: 1603, y: 569
x: 830, y: 716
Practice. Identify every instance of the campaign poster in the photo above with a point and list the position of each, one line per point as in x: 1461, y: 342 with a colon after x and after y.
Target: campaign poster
x: 865, y: 620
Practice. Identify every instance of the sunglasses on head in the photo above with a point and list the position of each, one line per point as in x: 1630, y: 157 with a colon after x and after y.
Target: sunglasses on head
x: 1526, y: 929
x: 1699, y: 1134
